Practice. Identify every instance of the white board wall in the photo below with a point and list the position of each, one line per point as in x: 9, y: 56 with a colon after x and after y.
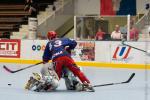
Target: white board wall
x: 104, y: 51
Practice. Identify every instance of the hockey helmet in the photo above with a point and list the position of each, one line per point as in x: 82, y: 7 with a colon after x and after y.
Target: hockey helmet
x: 51, y: 35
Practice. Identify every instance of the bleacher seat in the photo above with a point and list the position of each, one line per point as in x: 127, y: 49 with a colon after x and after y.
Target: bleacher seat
x: 12, y: 14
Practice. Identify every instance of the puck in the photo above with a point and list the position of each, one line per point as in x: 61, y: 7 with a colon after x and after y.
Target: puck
x: 9, y: 84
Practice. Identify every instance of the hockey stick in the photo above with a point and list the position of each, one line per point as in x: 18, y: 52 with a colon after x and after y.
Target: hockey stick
x: 130, y: 78
x: 11, y: 71
x: 134, y: 47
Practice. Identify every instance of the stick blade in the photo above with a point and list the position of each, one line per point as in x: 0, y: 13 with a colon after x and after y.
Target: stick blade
x: 129, y: 79
x: 7, y: 69
x: 132, y: 75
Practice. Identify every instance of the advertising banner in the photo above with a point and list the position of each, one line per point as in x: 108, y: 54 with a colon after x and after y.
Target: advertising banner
x: 99, y: 51
x: 85, y: 51
x: 10, y: 48
x: 125, y: 54
x: 33, y: 49
x: 115, y: 52
x: 117, y: 7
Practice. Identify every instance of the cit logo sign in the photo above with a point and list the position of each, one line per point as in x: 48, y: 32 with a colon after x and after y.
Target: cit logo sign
x: 121, y: 53
x: 10, y: 48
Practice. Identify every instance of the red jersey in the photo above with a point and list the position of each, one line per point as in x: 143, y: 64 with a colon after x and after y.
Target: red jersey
x: 99, y: 35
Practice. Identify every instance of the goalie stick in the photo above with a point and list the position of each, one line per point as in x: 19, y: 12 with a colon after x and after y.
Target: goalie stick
x: 11, y: 71
x: 130, y: 78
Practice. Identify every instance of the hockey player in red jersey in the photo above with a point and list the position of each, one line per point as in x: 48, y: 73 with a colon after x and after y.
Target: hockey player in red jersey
x: 57, y: 51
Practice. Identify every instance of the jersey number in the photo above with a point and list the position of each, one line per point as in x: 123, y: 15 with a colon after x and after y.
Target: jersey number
x: 57, y: 43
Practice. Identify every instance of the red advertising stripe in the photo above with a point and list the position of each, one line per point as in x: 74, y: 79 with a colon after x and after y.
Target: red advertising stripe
x: 10, y: 48
x: 115, y: 54
x: 106, y: 7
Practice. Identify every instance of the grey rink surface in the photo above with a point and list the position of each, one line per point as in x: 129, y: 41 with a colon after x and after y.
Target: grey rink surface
x: 137, y: 89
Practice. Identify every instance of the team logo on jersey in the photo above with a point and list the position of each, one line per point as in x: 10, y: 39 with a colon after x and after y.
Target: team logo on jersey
x: 121, y: 53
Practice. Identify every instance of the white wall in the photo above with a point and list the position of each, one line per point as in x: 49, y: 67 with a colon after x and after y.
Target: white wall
x: 99, y: 51
x: 104, y: 51
x: 28, y: 53
x: 141, y: 5
x: 83, y: 7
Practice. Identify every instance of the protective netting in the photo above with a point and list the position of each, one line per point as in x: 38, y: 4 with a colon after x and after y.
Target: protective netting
x: 132, y: 28
x: 143, y: 25
x: 99, y: 28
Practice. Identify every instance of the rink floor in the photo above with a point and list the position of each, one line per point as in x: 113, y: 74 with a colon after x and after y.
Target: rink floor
x: 135, y: 90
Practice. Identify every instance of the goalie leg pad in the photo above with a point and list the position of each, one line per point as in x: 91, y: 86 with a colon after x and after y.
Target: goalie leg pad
x: 31, y: 83
x: 70, y: 79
